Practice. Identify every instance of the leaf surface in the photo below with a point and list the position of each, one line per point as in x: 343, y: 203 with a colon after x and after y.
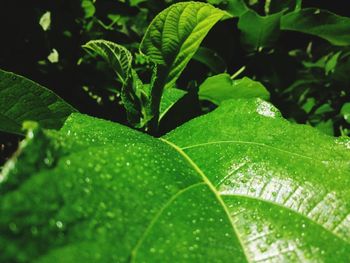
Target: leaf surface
x: 321, y: 23
x: 285, y: 185
x: 175, y: 34
x: 259, y: 31
x: 240, y: 191
x: 221, y: 87
x: 169, y: 99
x: 118, y: 57
x: 22, y: 99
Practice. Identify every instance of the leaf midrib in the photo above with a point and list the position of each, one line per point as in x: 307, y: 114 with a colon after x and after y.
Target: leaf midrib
x: 215, y: 192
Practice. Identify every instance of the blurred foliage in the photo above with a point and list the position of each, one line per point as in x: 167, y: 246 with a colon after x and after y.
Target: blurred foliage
x: 307, y: 76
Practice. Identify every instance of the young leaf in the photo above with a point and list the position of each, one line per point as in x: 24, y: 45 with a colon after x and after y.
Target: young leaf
x: 22, y: 99
x: 120, y: 60
x: 321, y: 23
x: 221, y: 87
x: 175, y: 34
x: 118, y: 57
x: 259, y: 31
x: 252, y: 187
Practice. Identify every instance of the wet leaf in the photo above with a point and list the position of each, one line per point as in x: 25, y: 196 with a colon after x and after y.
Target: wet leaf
x: 256, y: 188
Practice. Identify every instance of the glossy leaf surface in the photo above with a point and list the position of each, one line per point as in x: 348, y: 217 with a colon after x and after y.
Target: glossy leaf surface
x: 22, y: 99
x: 243, y: 192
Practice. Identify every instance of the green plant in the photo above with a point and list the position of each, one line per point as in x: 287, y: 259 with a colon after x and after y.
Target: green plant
x: 237, y: 184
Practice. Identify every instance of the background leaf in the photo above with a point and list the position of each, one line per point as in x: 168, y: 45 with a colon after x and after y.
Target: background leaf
x: 211, y: 59
x: 259, y: 31
x: 118, y: 57
x: 22, y: 99
x: 221, y: 87
x: 321, y: 23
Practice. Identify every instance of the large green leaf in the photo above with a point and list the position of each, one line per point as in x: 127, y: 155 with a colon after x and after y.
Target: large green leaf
x: 221, y: 87
x: 321, y: 23
x: 286, y: 186
x: 251, y: 188
x: 259, y: 31
x: 22, y: 99
x: 175, y: 34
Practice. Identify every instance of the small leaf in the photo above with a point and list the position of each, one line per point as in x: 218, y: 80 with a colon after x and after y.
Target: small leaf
x: 119, y: 58
x: 175, y: 34
x: 321, y: 23
x: 221, y: 87
x: 345, y: 111
x: 53, y: 57
x: 45, y: 21
x: 259, y: 31
x: 22, y: 99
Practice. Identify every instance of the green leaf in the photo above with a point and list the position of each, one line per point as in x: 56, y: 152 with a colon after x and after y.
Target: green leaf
x: 252, y: 187
x: 120, y: 60
x: 169, y: 99
x: 275, y: 6
x: 259, y: 31
x: 45, y: 21
x: 235, y: 7
x: 321, y: 23
x: 326, y: 127
x: 88, y: 7
x: 221, y: 87
x: 211, y: 59
x: 175, y: 34
x: 118, y: 57
x: 285, y: 185
x: 22, y: 99
x: 345, y: 111
x: 111, y: 194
